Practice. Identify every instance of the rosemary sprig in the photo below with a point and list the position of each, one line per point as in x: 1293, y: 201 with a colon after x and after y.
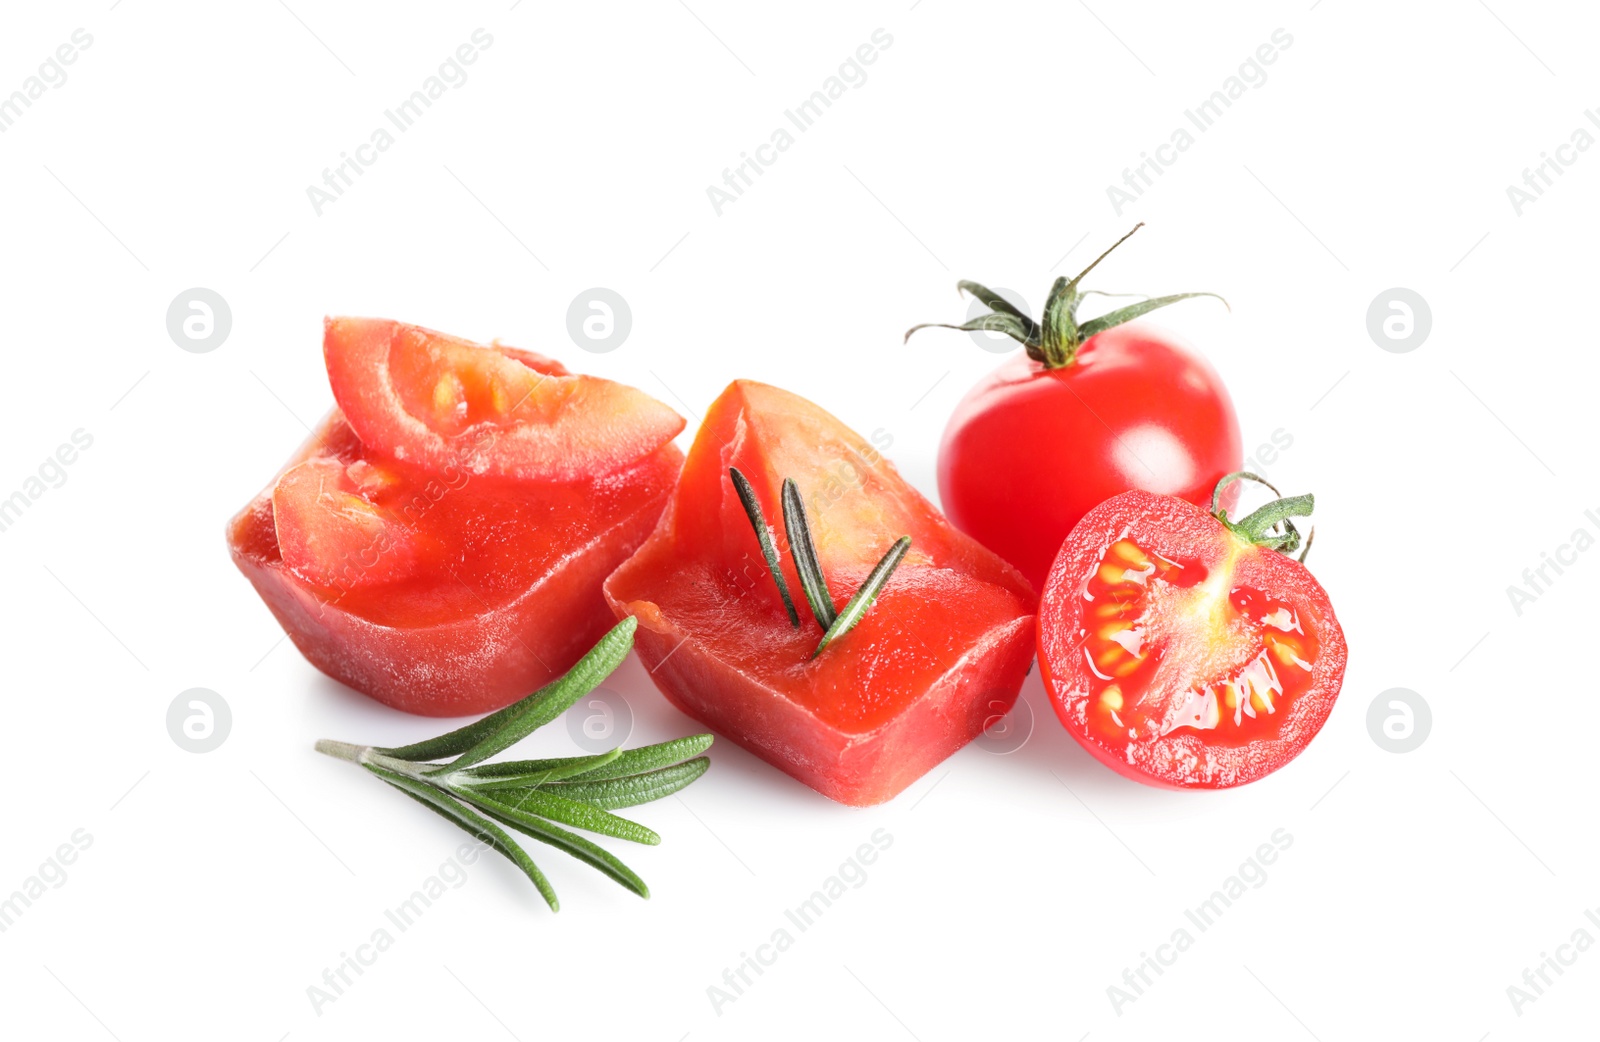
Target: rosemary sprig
x: 797, y: 526
x: 533, y: 796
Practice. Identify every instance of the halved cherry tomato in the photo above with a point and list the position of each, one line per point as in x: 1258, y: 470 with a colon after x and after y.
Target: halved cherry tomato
x: 436, y: 401
x: 1181, y: 653
x: 941, y: 653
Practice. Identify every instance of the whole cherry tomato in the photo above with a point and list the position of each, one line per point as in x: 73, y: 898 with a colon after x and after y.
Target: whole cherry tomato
x: 1093, y: 409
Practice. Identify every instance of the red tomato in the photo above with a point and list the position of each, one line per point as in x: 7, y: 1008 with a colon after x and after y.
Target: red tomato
x: 438, y: 401
x: 1094, y: 408
x: 440, y: 593
x: 1181, y: 653
x: 1030, y: 450
x: 941, y: 652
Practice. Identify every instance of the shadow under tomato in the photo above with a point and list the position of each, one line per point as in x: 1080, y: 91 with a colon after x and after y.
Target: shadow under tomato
x: 1049, y: 750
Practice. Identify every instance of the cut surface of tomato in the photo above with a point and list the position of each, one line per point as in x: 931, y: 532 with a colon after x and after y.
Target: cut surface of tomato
x: 332, y: 530
x: 440, y: 592
x: 1181, y: 654
x: 435, y: 400
x: 944, y: 647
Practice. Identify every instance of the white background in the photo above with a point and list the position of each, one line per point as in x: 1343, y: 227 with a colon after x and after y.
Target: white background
x: 1019, y: 887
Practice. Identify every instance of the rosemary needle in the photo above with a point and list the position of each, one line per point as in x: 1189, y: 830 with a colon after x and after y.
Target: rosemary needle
x: 804, y: 552
x: 866, y: 595
x: 769, y: 551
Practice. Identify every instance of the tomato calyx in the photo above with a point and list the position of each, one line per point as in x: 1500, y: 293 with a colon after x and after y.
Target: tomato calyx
x: 797, y: 528
x: 1054, y: 342
x: 1271, y: 526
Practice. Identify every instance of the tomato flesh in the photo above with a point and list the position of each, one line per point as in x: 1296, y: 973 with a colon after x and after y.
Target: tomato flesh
x: 334, y: 525
x: 440, y: 401
x: 945, y: 646
x: 440, y: 592
x: 1030, y: 450
x: 1181, y: 654
x: 1169, y: 649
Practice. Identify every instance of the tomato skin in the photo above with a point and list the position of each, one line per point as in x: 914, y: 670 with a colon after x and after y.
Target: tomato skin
x: 1176, y: 529
x: 516, y: 602
x: 1030, y: 451
x: 943, y: 650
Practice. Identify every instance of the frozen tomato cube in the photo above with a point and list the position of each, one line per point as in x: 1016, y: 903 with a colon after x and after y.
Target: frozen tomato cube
x: 940, y: 655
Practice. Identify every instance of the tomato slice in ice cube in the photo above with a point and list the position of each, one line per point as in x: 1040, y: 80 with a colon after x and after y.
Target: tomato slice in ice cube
x: 943, y: 650
x: 331, y: 528
x: 435, y: 400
